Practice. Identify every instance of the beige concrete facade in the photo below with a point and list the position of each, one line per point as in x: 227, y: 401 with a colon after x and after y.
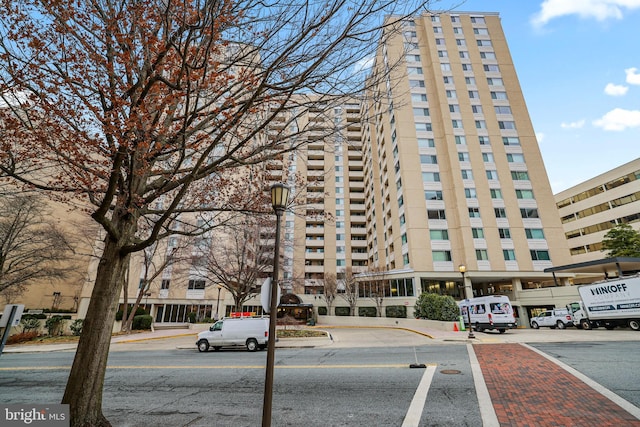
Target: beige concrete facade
x: 590, y: 209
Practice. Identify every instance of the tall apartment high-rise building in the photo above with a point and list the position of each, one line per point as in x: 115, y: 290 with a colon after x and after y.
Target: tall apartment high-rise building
x: 453, y: 171
x: 590, y: 209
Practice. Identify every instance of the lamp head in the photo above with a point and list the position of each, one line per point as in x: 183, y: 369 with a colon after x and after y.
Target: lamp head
x: 279, y: 196
x: 462, y: 268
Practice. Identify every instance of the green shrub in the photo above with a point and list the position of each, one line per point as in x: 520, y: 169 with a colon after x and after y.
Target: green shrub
x: 206, y: 320
x: 367, y: 312
x: 76, y: 327
x: 191, y: 317
x: 436, y: 307
x: 139, y: 311
x: 343, y: 311
x: 54, y: 325
x: 397, y: 311
x: 34, y: 316
x: 322, y: 311
x: 30, y: 324
x: 142, y: 321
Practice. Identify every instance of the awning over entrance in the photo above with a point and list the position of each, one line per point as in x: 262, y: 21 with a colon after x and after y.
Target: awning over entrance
x: 608, y: 267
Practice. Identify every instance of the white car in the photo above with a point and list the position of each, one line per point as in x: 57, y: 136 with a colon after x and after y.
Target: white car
x: 252, y: 333
x: 556, y: 318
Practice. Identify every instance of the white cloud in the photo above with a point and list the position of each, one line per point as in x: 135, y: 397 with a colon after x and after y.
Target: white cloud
x: 363, y: 65
x: 619, y: 119
x: 600, y: 10
x: 615, y: 90
x: 633, y: 78
x: 573, y: 125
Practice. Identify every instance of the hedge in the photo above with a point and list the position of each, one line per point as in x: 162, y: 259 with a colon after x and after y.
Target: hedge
x: 367, y: 312
x: 322, y: 311
x: 436, y: 307
x: 142, y: 321
x: 397, y: 311
x: 343, y: 311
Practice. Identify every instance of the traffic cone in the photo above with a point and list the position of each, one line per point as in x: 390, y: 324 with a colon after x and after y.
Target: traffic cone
x: 455, y: 327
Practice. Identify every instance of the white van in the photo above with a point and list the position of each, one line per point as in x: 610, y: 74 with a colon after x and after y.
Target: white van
x: 250, y: 332
x: 489, y: 312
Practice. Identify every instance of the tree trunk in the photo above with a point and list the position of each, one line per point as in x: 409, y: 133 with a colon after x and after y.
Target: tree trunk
x: 84, y: 387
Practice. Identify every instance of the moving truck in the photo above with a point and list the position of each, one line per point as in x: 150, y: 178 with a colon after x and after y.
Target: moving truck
x: 249, y: 332
x: 608, y: 303
x: 489, y: 312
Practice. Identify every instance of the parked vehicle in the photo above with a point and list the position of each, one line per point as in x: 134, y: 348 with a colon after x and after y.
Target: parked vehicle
x: 489, y: 312
x: 252, y: 333
x: 557, y: 318
x: 609, y: 303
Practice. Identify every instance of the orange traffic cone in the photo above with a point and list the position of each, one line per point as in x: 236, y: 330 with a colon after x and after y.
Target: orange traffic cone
x: 455, y: 327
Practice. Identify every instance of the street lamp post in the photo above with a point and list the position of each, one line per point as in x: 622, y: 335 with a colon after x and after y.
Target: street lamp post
x: 279, y: 197
x: 218, y: 304
x: 463, y: 269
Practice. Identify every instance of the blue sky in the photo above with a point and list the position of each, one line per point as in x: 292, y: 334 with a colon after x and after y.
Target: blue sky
x: 578, y: 63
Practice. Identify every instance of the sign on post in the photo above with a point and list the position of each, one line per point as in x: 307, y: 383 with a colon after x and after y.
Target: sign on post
x: 265, y: 295
x: 17, y: 315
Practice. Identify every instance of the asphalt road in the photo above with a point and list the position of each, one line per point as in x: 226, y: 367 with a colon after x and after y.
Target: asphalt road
x: 345, y: 383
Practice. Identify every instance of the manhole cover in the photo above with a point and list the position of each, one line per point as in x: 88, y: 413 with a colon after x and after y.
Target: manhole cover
x: 450, y: 371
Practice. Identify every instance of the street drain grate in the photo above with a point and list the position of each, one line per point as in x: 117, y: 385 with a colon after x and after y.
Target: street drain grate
x: 450, y: 371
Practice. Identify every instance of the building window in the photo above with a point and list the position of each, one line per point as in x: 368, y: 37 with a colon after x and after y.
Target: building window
x: 436, y: 214
x: 470, y: 193
x: 515, y: 158
x: 430, y: 176
x: 463, y: 156
x: 443, y: 54
x: 403, y: 238
x: 476, y: 109
x: 510, y: 140
x: 477, y: 20
x: 498, y: 95
x: 484, y: 43
x: 482, y: 255
x: 454, y: 108
x: 445, y: 66
x: 492, y: 175
x: 481, y: 31
x: 487, y: 157
x: 474, y: 212
x: 534, y: 233
x: 507, y: 125
x: 473, y: 94
x: 416, y: 83
x: 520, y: 175
x: 524, y: 194
x: 496, y: 193
x: 196, y: 284
x: 426, y: 143
x: 165, y: 284
x: 467, y: 174
x: 538, y: 255
x: 405, y: 259
x: 461, y: 140
x: 494, y: 81
x: 447, y: 80
x: 428, y: 159
x: 414, y: 70
x: 402, y: 220
x: 477, y: 233
x: 439, y: 234
x: 502, y: 109
x: 509, y: 254
x: 529, y: 213
x: 483, y: 140
x: 464, y: 54
x: 461, y: 42
x: 500, y: 212
x: 421, y: 112
x: 419, y: 97
x: 423, y: 127
x: 451, y: 94
x: 504, y: 233
x: 481, y: 124
x: 433, y: 195
x: 467, y: 67
x: 491, y: 68
x: 400, y: 201
x: 439, y: 256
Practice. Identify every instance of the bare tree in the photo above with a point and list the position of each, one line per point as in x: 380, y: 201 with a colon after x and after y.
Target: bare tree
x: 377, y: 284
x: 238, y: 259
x: 349, y: 284
x: 330, y: 290
x: 140, y: 112
x: 32, y: 248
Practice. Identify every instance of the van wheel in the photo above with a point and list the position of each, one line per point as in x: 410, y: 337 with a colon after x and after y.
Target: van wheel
x: 203, y: 345
x: 252, y: 345
x: 586, y: 325
x: 561, y: 325
x: 634, y: 324
x: 535, y: 325
x: 478, y: 328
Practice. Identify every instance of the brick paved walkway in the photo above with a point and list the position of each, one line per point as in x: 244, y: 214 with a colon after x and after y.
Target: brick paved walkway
x: 513, y: 374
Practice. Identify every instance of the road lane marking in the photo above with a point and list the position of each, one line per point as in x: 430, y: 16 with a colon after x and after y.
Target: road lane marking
x: 368, y: 366
x: 412, y: 419
x: 487, y: 412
